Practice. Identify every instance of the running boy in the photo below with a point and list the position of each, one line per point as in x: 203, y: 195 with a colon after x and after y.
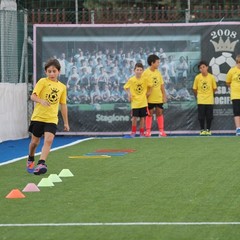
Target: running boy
x: 204, y: 87
x: 48, y: 94
x: 137, y: 89
x: 157, y: 97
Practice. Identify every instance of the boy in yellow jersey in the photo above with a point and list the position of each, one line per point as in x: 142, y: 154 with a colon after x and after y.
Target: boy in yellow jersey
x: 233, y: 81
x: 204, y: 87
x: 48, y: 94
x: 137, y: 89
x: 157, y: 97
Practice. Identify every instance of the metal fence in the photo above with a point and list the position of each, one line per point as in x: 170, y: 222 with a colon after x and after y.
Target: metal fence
x: 134, y: 15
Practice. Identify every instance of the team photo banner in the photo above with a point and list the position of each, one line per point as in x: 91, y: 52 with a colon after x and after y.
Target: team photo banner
x: 97, y: 60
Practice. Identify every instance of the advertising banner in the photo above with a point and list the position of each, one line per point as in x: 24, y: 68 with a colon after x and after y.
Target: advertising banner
x: 97, y: 60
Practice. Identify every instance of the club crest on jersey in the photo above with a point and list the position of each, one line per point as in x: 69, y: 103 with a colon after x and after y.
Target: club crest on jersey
x: 53, y: 96
x: 155, y: 82
x: 139, y: 89
x: 204, y: 86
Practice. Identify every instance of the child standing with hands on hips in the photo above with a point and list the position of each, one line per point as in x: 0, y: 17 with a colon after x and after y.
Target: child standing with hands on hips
x: 137, y: 89
x: 48, y: 94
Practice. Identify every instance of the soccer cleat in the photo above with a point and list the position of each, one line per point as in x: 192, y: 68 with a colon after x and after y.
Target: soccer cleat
x: 208, y: 132
x: 30, y: 166
x: 202, y: 133
x: 40, y: 169
x: 148, y: 134
x: 133, y: 134
x: 162, y: 134
x: 142, y: 135
x: 238, y: 132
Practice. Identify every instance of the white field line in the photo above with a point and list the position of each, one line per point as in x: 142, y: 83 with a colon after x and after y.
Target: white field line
x: 117, y: 224
x: 53, y: 149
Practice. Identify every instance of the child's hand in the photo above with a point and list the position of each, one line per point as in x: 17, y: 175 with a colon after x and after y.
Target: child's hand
x: 164, y: 99
x: 44, y: 102
x: 66, y: 128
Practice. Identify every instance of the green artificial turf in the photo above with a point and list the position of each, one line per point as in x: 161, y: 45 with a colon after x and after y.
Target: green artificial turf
x: 184, y: 180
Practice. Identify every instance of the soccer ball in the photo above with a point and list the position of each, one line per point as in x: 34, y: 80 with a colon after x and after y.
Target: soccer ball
x: 221, y: 65
x: 96, y: 106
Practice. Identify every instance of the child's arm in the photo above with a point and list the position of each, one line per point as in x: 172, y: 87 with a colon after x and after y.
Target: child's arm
x: 64, y: 112
x: 195, y: 92
x: 164, y: 93
x: 37, y: 99
x: 149, y: 91
x: 129, y: 94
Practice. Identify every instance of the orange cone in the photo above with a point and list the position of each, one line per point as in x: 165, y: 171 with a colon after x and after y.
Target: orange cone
x: 15, y: 193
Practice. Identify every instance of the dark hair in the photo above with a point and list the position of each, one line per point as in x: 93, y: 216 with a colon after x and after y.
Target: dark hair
x: 138, y: 65
x: 52, y: 62
x: 152, y: 59
x: 202, y: 63
x: 238, y: 58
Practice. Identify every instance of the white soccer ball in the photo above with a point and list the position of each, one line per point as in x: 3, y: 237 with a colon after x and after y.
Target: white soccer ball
x: 221, y: 65
x: 97, y: 106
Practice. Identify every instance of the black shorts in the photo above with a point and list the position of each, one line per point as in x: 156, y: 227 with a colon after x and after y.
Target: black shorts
x: 236, y: 107
x: 139, y: 112
x: 205, y: 111
x: 155, y: 105
x: 39, y: 128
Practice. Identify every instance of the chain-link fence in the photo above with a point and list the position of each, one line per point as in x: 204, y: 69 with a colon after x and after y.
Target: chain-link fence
x: 134, y: 15
x: 113, y: 4
x: 13, y: 45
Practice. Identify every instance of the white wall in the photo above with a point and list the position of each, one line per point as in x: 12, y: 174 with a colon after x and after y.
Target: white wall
x: 13, y: 111
x: 9, y: 5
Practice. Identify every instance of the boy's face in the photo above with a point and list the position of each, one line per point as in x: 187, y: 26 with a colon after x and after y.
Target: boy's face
x: 203, y: 69
x: 138, y: 72
x: 156, y: 64
x: 52, y: 73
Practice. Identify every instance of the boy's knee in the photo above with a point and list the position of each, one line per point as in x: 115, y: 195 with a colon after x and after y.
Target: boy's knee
x: 48, y: 140
x: 34, y: 144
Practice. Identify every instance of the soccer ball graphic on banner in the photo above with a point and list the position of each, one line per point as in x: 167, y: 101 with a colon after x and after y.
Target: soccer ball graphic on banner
x: 220, y: 65
x: 96, y: 106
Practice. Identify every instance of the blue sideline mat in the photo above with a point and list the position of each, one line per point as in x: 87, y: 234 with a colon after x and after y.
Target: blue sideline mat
x: 18, y: 148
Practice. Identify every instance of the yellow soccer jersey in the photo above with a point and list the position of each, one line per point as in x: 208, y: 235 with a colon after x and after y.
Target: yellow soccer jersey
x: 205, y: 86
x: 156, y: 79
x: 55, y: 93
x: 233, y: 78
x: 138, y: 88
